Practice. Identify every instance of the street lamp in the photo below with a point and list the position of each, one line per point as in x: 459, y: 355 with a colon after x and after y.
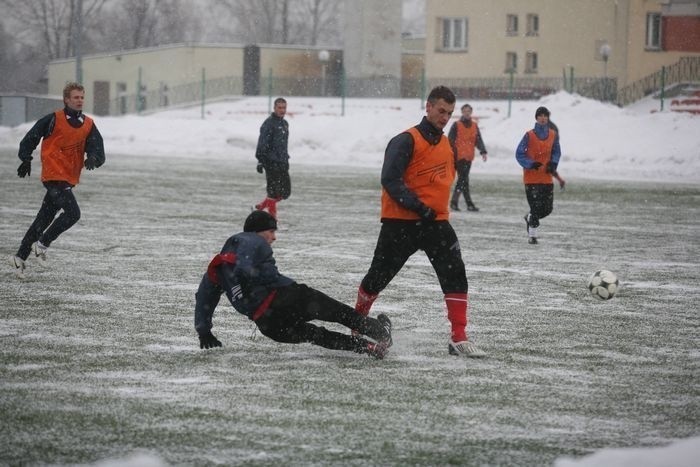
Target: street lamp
x: 605, y: 51
x: 323, y: 56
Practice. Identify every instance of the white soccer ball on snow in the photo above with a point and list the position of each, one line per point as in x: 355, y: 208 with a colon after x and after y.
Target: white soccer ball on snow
x: 603, y: 284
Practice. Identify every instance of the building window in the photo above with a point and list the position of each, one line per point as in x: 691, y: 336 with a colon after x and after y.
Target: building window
x: 653, y: 39
x: 511, y: 62
x: 511, y: 25
x: 454, y: 33
x: 533, y: 25
x: 531, y: 62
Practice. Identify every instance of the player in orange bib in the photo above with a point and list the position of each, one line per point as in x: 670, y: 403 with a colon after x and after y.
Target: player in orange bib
x: 66, y: 137
x: 417, y: 175
x: 466, y: 138
x: 538, y: 153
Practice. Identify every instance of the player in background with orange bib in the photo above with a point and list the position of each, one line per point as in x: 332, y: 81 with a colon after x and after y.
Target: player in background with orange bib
x: 66, y: 137
x: 466, y: 138
x: 538, y: 153
x: 417, y: 176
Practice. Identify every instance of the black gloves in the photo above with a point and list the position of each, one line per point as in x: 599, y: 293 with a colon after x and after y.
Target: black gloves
x: 24, y: 169
x: 90, y: 163
x: 208, y: 341
x: 552, y: 167
x: 536, y: 165
x: 259, y: 168
x: 426, y: 213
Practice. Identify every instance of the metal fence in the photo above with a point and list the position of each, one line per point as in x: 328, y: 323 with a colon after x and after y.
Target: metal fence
x: 502, y: 88
x: 527, y: 88
x: 164, y: 97
x: 18, y: 109
x: 687, y: 69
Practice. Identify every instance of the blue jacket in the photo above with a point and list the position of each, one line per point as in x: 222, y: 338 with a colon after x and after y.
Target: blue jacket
x: 542, y: 132
x: 254, y: 275
x: 272, y: 143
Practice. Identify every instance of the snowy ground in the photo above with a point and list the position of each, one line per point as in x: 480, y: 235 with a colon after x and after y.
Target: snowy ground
x: 100, y: 363
x: 599, y: 141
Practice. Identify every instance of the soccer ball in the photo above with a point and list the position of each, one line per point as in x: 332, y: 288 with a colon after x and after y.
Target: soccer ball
x: 603, y: 285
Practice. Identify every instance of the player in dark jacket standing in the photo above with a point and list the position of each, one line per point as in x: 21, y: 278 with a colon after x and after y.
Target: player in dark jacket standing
x: 466, y: 138
x: 417, y: 175
x: 538, y: 153
x: 66, y: 137
x: 246, y: 272
x: 273, y: 157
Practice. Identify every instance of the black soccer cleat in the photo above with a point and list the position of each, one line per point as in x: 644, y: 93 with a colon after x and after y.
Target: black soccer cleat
x: 386, y: 323
x: 471, y: 207
x: 532, y: 240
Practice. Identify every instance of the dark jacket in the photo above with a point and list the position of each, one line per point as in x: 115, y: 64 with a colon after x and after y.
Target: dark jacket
x: 94, y: 146
x: 397, y: 156
x: 253, y: 276
x: 272, y: 143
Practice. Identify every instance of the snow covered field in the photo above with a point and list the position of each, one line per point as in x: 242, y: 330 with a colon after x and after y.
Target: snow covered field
x: 99, y: 359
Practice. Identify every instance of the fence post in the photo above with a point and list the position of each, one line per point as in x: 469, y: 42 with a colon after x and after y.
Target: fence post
x: 422, y: 88
x: 269, y: 91
x: 204, y: 97
x: 342, y: 91
x: 138, y: 93
x: 510, y: 92
x: 566, y: 84
x: 571, y: 78
x: 663, y: 86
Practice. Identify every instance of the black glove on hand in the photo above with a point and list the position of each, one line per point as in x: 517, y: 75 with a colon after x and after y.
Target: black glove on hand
x: 427, y: 214
x: 259, y: 168
x: 24, y: 169
x: 208, y: 341
x: 536, y: 165
x: 552, y: 167
x: 90, y: 163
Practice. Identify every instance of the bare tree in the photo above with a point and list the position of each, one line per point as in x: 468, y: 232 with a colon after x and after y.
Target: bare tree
x: 284, y: 21
x: 133, y: 24
x: 255, y: 20
x: 324, y: 20
x: 52, y: 20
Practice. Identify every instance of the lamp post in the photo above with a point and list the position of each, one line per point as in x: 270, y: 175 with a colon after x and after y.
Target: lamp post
x: 323, y: 57
x: 605, y: 50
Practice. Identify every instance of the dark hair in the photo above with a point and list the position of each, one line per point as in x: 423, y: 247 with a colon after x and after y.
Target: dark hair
x: 259, y: 221
x: 441, y: 92
x: 280, y: 100
x: 467, y: 106
x: 542, y: 111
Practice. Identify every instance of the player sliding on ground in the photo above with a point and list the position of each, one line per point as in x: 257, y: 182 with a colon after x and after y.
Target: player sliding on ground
x: 245, y: 271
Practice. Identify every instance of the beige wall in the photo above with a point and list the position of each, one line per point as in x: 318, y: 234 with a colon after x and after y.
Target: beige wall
x: 179, y: 65
x: 170, y: 65
x: 570, y: 35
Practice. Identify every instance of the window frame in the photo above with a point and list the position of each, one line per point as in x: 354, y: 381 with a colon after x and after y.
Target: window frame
x: 454, y: 35
x: 511, y: 62
x: 652, y: 36
x: 531, y: 62
x: 511, y: 25
x: 533, y: 25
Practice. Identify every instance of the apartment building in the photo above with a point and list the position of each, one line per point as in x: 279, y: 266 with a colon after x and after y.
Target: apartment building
x: 543, y: 39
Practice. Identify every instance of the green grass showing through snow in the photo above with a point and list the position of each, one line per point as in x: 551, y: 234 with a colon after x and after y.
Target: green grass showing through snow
x: 99, y: 357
